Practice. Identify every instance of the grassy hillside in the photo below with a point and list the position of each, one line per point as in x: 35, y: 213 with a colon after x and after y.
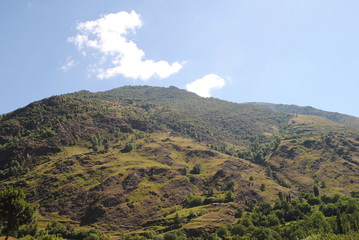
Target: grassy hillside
x: 207, y: 119
x: 134, y: 159
x: 344, y: 119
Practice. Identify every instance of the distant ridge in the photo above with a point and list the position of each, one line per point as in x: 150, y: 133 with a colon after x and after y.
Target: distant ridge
x: 347, y: 120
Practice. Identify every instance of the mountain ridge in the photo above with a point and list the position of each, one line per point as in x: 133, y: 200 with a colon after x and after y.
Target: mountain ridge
x: 345, y: 119
x: 131, y: 158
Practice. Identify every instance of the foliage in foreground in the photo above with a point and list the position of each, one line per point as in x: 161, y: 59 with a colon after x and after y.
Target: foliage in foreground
x: 17, y: 219
x: 57, y: 231
x: 309, y: 218
x: 14, y: 211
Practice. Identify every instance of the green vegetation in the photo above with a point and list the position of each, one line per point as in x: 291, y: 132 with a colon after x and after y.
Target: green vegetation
x: 336, y: 117
x: 14, y: 211
x: 162, y: 163
x: 197, y: 168
x: 17, y: 219
x: 58, y: 231
x: 191, y: 200
x: 334, y: 217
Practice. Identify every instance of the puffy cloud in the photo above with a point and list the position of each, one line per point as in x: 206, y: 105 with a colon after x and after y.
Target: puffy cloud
x: 70, y: 63
x: 107, y: 35
x: 206, y: 84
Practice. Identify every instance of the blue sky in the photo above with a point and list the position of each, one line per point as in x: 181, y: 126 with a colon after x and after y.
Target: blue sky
x: 281, y: 51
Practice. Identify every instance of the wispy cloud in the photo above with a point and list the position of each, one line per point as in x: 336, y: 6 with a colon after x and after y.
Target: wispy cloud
x: 117, y: 54
x: 203, y: 86
x: 70, y: 63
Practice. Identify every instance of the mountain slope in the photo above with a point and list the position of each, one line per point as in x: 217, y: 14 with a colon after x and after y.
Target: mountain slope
x: 344, y: 119
x: 134, y: 157
x: 194, y: 115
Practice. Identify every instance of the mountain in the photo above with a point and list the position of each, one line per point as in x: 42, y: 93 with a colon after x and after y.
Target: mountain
x: 133, y: 158
x: 347, y: 120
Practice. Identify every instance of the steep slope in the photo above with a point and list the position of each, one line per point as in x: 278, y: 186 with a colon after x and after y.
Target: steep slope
x: 93, y: 160
x: 139, y: 188
x: 315, y: 155
x: 134, y: 157
x: 206, y: 119
x: 347, y: 120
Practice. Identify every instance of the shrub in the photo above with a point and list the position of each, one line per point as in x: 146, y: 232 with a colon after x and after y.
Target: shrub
x: 128, y: 148
x: 313, y: 200
x: 229, y: 196
x: 197, y: 168
x: 192, y: 200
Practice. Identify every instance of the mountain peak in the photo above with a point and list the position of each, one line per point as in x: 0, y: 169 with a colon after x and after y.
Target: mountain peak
x: 133, y: 157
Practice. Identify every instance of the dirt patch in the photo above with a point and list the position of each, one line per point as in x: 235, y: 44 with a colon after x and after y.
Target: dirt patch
x: 177, y: 190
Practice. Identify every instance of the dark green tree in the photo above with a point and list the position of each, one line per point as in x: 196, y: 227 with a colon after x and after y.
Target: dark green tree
x: 95, y: 143
x: 229, y: 196
x: 197, y: 168
x: 316, y: 190
x: 210, y: 192
x: 192, y: 200
x: 128, y: 148
x: 230, y: 186
x: 178, y: 219
x: 313, y: 201
x: 14, y: 211
x: 239, y: 213
x: 106, y: 145
x: 269, y: 172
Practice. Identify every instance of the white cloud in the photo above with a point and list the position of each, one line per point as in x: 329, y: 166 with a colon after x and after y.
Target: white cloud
x: 107, y: 36
x: 70, y: 63
x: 206, y: 84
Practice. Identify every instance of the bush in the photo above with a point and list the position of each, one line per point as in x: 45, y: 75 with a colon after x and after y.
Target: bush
x: 197, y: 168
x: 355, y: 194
x: 128, y: 148
x: 314, y: 200
x: 239, y: 213
x: 170, y: 236
x: 192, y: 200
x: 229, y: 196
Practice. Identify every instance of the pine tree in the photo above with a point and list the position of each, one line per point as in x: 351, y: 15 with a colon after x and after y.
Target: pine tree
x: 14, y: 211
x: 316, y: 190
x: 197, y: 168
